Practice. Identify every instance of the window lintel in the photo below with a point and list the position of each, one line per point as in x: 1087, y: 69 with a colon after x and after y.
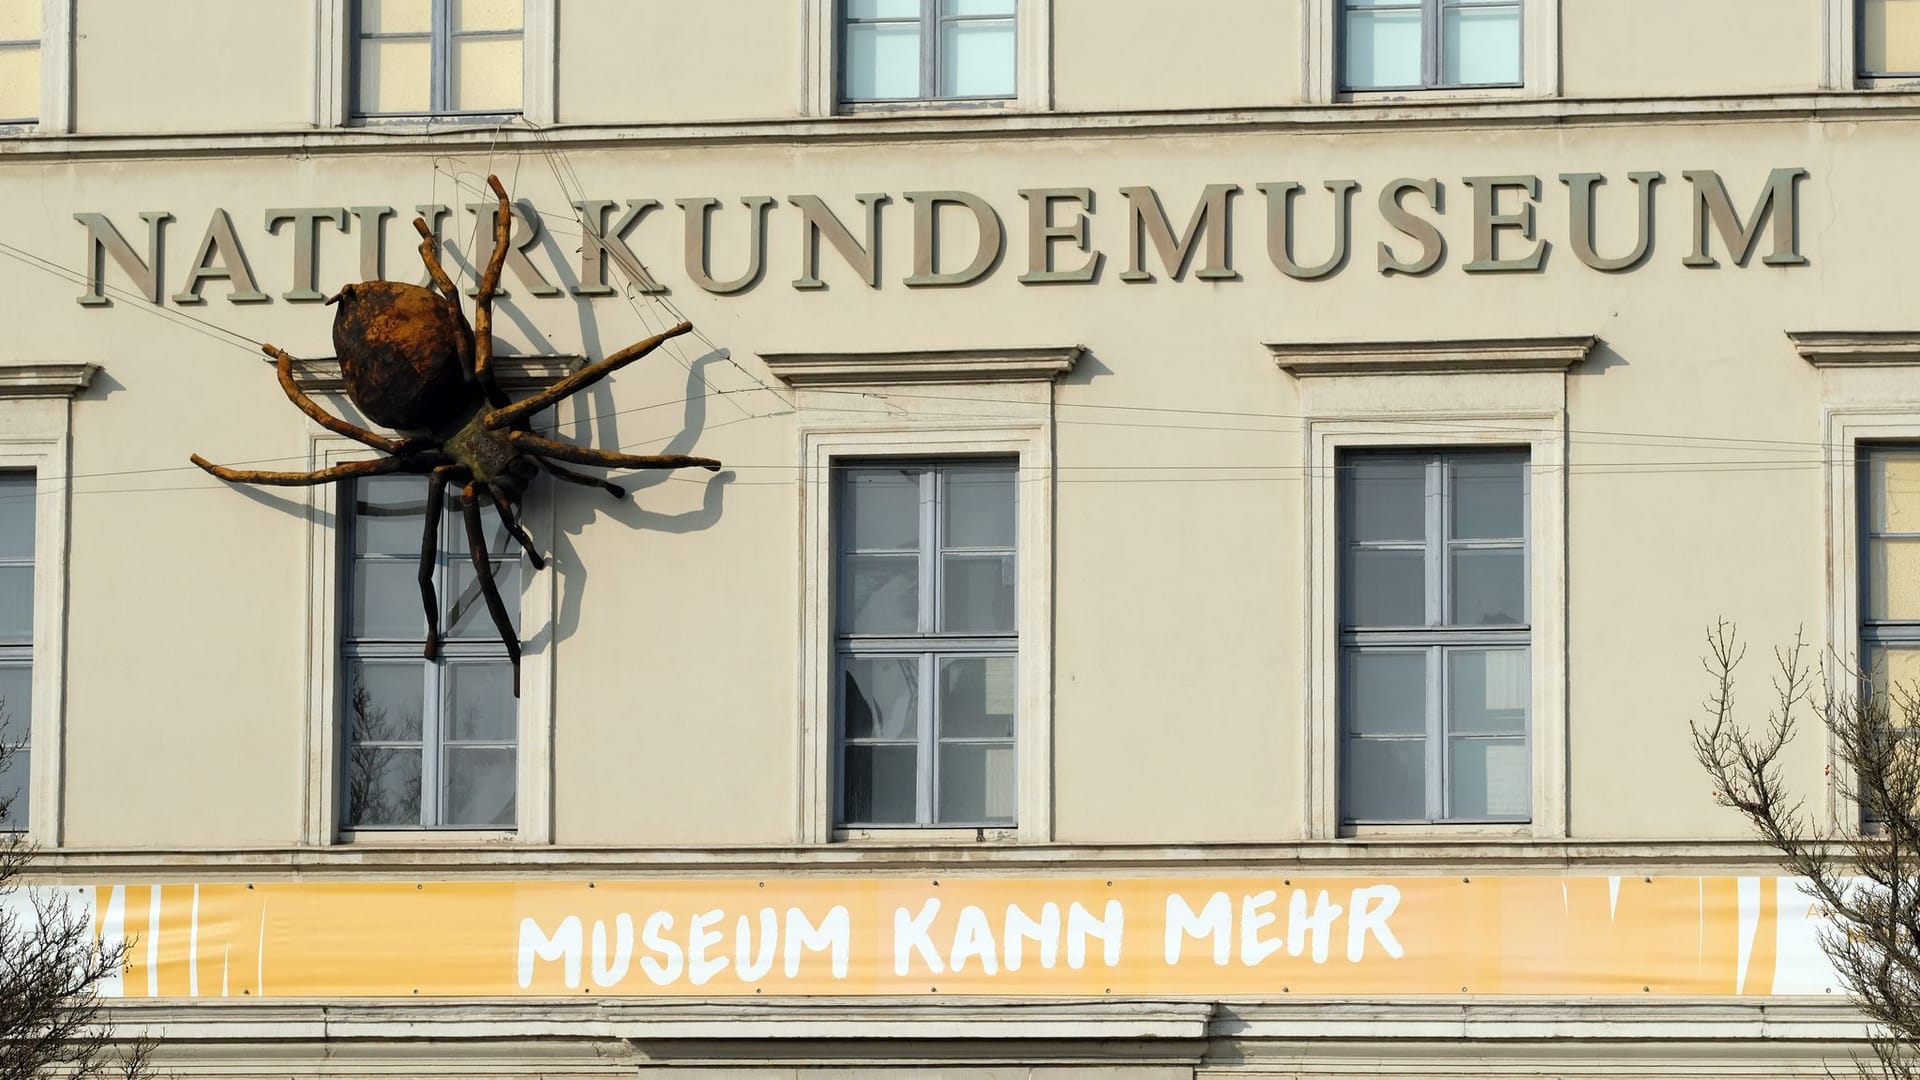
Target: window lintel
x: 1857, y: 348
x: 529, y: 372
x: 1042, y: 364
x: 1434, y: 357
x: 45, y: 380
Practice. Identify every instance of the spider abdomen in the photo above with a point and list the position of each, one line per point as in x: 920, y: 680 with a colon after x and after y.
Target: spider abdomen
x: 403, y: 353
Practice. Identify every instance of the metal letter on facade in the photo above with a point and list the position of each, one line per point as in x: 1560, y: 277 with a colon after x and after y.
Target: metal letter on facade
x: 371, y: 221
x: 1147, y: 220
x: 526, y: 233
x: 1489, y: 220
x: 104, y: 240
x: 1580, y: 187
x: 1433, y: 245
x: 816, y: 220
x: 699, y: 242
x: 220, y: 257
x: 1280, y: 227
x: 1780, y: 201
x: 926, y: 238
x: 597, y: 242
x: 306, y: 232
x: 1042, y: 233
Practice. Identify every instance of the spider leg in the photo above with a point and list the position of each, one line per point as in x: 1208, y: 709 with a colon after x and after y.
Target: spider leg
x: 283, y: 367
x: 375, y: 467
x: 430, y: 553
x: 541, y: 445
x: 512, y: 523
x: 429, y: 254
x: 560, y: 472
x: 483, y: 303
x: 580, y: 380
x: 496, y: 607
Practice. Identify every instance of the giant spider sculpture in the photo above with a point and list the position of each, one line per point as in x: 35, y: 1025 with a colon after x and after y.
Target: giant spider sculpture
x: 412, y: 363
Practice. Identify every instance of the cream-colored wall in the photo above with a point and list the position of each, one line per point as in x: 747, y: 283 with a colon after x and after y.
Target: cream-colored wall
x: 208, y: 66
x: 1179, y: 531
x: 1138, y: 54
x: 656, y: 63
x: 1657, y: 48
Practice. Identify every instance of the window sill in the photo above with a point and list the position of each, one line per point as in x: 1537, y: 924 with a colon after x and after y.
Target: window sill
x: 1439, y: 832
x: 1435, y: 94
x: 939, y: 106
x: 414, y: 124
x: 909, y: 836
x: 426, y: 837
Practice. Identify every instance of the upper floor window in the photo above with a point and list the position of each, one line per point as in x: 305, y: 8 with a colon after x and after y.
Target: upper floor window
x: 427, y: 744
x: 1889, y: 39
x: 927, y: 50
x: 437, y: 57
x: 1435, y: 637
x: 19, y: 61
x: 17, y: 523
x: 928, y: 644
x: 1890, y: 567
x: 1429, y: 44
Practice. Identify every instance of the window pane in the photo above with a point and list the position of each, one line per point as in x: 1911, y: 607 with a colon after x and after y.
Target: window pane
x: 883, y: 61
x: 1386, y: 588
x: 976, y: 7
x: 1487, y: 690
x: 880, y: 510
x: 385, y: 702
x: 1387, y: 499
x: 466, y: 606
x: 16, y: 703
x: 1386, y: 779
x: 479, y: 781
x: 883, y: 9
x: 19, y: 83
x: 1893, y: 572
x: 1890, y: 36
x: 395, y: 77
x: 1896, y: 674
x: 16, y: 604
x: 14, y: 772
x: 1893, y: 491
x: 486, y: 15
x: 386, y: 601
x: 486, y: 75
x: 980, y: 508
x: 19, y: 20
x: 18, y: 504
x: 976, y: 59
x: 1489, y: 499
x: 396, y: 16
x: 880, y: 697
x: 480, y: 702
x: 1489, y: 778
x: 1489, y: 587
x: 976, y: 784
x: 1480, y: 45
x: 977, y: 697
x: 978, y: 597
x: 879, y: 594
x: 1382, y: 49
x: 878, y: 786
x: 388, y: 514
x: 383, y: 786
x: 1386, y: 693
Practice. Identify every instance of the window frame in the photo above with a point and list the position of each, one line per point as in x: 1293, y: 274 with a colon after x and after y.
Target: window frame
x: 1440, y: 637
x: 337, y: 82
x: 1324, y: 74
x: 55, y: 43
x: 21, y: 655
x: 825, y: 77
x: 1852, y: 38
x: 329, y: 548
x: 930, y: 647
x: 933, y: 57
x: 1432, y: 46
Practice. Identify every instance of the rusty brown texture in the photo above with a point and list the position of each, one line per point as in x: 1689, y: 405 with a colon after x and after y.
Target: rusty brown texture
x: 413, y: 363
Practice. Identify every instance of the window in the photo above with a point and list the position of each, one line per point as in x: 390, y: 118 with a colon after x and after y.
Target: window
x: 1889, y: 39
x: 928, y: 643
x: 437, y: 57
x: 1435, y: 637
x: 17, y: 523
x: 427, y: 745
x: 1427, y: 44
x: 19, y: 61
x: 927, y: 50
x: 1890, y: 567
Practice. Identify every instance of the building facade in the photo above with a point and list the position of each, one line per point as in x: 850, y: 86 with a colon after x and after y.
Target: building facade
x: 1219, y: 509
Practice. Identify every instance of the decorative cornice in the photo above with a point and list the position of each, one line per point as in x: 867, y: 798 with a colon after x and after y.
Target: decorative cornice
x: 1504, y: 355
x: 322, y: 374
x: 1857, y: 348
x: 923, y: 365
x: 45, y: 380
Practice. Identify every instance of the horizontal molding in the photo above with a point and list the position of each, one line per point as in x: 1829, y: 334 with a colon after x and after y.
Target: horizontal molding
x: 1516, y: 354
x: 322, y: 374
x: 1857, y: 348
x: 45, y: 380
x: 481, y: 860
x: 923, y: 365
x: 1410, y: 111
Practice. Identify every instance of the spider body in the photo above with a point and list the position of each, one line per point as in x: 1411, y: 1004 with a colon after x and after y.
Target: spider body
x: 412, y: 363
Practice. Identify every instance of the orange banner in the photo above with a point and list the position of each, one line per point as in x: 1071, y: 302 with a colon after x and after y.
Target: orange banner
x: 1214, y: 936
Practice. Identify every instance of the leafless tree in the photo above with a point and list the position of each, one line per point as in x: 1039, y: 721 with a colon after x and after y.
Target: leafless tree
x: 1862, y: 864
x: 53, y: 1021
